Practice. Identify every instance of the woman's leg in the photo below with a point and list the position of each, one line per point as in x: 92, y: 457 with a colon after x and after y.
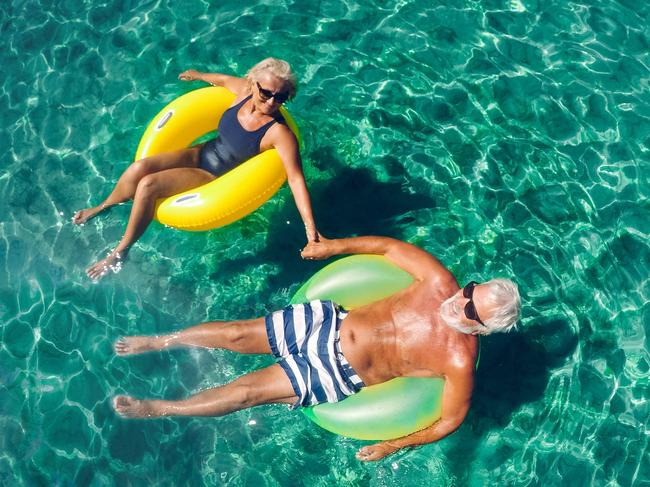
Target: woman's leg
x: 264, y: 386
x: 127, y: 184
x: 150, y: 188
x: 244, y: 336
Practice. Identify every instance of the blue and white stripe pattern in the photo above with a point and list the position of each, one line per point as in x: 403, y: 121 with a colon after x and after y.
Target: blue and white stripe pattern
x: 306, y: 339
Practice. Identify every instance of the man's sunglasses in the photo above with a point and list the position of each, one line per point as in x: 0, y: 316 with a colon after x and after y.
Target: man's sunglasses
x: 280, y: 96
x: 470, y: 308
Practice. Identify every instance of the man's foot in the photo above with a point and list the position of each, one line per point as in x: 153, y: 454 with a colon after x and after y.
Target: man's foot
x: 129, y: 407
x: 112, y: 263
x: 138, y: 344
x: 82, y: 216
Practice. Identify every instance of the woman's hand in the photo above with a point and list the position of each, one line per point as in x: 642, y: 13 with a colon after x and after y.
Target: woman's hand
x: 189, y: 75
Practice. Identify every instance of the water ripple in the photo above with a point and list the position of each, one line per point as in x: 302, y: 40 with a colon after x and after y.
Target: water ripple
x: 508, y: 137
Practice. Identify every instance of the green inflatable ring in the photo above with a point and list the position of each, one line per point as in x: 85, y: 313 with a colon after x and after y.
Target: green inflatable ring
x: 384, y: 411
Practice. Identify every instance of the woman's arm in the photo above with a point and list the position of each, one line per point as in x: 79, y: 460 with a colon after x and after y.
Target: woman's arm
x: 287, y: 146
x: 234, y: 84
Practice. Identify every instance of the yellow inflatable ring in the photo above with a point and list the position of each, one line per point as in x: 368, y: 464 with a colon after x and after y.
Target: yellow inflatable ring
x: 229, y: 197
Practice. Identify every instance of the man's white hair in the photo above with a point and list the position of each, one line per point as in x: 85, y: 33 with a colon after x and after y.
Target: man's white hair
x: 504, y: 295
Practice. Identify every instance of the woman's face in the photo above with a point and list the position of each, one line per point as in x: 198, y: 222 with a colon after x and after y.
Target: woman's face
x: 269, y: 93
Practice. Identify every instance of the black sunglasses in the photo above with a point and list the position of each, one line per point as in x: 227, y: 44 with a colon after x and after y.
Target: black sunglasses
x: 280, y: 96
x: 470, y: 309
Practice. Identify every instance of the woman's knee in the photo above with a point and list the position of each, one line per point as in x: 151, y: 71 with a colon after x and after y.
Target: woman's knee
x: 147, y: 165
x: 148, y: 186
x: 137, y: 170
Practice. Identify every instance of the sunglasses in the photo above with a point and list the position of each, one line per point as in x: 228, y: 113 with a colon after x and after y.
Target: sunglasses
x: 280, y: 96
x: 470, y: 308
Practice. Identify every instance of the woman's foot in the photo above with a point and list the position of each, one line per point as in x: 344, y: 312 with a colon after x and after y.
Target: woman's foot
x: 82, y: 216
x: 129, y: 407
x: 112, y: 263
x: 138, y: 344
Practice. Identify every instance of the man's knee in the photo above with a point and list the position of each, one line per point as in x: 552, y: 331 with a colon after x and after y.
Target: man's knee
x: 245, y: 337
x: 238, y: 337
x: 246, y: 394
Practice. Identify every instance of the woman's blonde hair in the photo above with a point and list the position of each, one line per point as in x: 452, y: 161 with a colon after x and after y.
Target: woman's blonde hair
x: 279, y: 69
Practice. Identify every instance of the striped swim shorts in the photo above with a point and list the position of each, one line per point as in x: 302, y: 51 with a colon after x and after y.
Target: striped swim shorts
x: 305, y: 337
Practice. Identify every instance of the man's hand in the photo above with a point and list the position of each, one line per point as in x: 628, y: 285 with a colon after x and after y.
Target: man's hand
x: 372, y: 453
x: 318, y: 249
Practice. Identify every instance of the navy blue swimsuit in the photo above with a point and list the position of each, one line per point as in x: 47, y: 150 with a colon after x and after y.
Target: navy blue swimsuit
x: 234, y: 144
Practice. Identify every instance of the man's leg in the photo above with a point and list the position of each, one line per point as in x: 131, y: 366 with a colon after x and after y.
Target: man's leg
x: 244, y: 336
x: 264, y: 386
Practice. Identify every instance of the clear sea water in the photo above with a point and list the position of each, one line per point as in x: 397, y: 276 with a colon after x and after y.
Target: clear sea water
x: 507, y: 137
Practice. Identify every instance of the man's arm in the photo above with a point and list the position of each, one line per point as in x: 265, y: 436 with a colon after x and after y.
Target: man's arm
x: 455, y: 404
x: 420, y: 264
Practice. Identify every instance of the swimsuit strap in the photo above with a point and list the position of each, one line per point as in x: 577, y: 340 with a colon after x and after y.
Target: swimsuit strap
x: 239, y: 105
x: 266, y: 126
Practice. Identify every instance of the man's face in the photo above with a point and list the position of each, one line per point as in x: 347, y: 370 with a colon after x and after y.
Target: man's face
x: 467, y: 308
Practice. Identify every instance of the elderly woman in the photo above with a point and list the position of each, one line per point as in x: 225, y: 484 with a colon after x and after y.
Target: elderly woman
x: 251, y: 125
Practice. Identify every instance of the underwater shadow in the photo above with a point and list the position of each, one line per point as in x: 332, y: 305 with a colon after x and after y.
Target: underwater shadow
x: 353, y: 203
x: 514, y: 370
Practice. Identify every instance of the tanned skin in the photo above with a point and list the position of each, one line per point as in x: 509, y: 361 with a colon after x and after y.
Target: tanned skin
x: 163, y: 175
x: 400, y: 336
x: 403, y: 335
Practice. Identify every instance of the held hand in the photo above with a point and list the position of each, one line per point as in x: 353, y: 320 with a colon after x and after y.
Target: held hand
x: 375, y: 452
x: 312, y: 235
x: 311, y: 232
x: 189, y: 75
x: 317, y: 249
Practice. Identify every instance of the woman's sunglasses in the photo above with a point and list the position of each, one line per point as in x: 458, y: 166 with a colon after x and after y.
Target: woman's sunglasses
x: 280, y: 96
x: 470, y: 308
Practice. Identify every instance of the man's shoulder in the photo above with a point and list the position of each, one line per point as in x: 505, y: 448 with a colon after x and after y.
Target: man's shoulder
x: 462, y: 357
x: 440, y: 285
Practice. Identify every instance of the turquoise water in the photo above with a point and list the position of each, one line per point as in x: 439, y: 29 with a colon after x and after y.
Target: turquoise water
x: 506, y: 137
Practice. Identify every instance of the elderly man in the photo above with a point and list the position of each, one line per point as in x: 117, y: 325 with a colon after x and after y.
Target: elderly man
x: 426, y: 330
